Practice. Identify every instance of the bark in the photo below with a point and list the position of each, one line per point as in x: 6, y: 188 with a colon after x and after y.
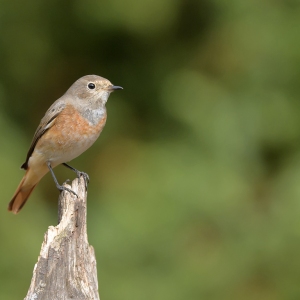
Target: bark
x: 66, y: 267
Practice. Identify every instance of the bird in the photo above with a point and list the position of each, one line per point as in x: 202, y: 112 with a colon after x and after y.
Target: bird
x: 70, y: 126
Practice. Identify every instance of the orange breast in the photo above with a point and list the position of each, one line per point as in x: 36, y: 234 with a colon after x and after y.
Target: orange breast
x: 69, y: 122
x: 70, y: 135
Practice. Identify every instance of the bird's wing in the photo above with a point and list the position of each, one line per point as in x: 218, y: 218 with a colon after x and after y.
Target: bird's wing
x: 46, y: 123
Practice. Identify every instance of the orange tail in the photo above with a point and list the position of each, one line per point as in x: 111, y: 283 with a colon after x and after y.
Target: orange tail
x: 21, y: 195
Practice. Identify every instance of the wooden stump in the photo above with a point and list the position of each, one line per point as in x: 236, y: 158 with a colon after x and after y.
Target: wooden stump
x: 66, y: 267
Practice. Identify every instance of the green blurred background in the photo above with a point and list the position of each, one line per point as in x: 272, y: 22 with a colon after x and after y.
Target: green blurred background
x: 195, y: 181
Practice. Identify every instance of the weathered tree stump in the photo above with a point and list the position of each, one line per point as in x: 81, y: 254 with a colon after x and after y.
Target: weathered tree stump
x: 66, y: 267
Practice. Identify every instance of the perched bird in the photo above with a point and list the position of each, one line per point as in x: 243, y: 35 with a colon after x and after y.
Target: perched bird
x: 70, y: 126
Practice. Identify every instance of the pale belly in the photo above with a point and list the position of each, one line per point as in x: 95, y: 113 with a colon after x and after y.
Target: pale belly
x: 67, y: 150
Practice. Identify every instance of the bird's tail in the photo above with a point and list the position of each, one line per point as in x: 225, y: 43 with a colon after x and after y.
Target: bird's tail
x: 22, y: 193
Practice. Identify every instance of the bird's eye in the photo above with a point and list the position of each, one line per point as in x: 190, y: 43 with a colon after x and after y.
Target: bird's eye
x: 91, y: 86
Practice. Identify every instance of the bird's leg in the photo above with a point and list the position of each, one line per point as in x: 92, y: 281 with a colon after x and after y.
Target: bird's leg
x: 60, y: 187
x: 79, y: 173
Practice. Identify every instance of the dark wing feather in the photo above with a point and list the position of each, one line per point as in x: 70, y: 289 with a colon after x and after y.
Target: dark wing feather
x: 46, y: 123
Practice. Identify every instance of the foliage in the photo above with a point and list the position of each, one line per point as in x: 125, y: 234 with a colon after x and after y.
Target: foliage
x: 194, y: 190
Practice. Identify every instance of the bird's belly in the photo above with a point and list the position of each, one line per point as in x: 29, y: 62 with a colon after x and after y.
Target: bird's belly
x: 71, y: 148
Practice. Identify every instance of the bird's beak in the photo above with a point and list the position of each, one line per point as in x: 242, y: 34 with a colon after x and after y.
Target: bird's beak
x: 115, y: 87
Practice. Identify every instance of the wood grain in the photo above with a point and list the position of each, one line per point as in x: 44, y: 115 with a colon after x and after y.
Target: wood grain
x: 66, y: 267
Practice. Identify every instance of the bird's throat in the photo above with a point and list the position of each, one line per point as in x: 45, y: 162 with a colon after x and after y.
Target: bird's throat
x: 93, y: 116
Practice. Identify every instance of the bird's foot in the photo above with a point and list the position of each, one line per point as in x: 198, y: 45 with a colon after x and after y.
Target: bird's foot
x: 79, y: 174
x: 85, y: 177
x: 63, y: 188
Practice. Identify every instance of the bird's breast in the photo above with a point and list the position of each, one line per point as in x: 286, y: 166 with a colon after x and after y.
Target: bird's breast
x: 71, y: 134
x: 72, y: 123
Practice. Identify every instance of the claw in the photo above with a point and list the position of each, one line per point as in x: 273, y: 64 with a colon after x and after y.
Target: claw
x: 59, y: 187
x: 85, y: 177
x: 79, y: 173
x: 63, y: 188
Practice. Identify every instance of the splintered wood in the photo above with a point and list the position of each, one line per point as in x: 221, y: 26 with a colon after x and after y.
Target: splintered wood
x: 66, y: 267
